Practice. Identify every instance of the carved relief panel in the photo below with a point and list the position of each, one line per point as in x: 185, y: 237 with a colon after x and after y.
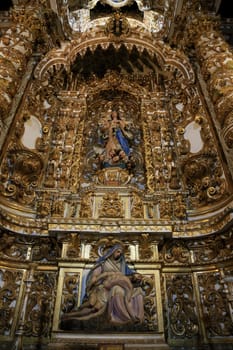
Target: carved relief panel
x: 182, y: 311
x: 215, y: 307
x: 10, y: 282
x: 38, y: 319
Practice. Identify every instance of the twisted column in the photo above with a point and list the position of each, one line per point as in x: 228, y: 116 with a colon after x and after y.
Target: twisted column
x: 216, y: 62
x: 16, y: 47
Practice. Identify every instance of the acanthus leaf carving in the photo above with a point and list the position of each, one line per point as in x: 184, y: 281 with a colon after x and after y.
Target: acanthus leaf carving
x: 24, y: 170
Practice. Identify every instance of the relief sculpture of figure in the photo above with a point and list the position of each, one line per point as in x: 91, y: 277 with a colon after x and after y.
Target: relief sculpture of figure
x: 112, y: 290
x: 114, y: 141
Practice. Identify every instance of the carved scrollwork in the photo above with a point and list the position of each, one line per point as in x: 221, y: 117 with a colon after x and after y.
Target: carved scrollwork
x: 182, y: 310
x: 24, y: 169
x: 209, y: 251
x: 46, y: 249
x: 86, y: 210
x: 6, y: 243
x: 137, y: 210
x: 150, y: 307
x: 217, y: 319
x: 148, y: 158
x: 117, y: 25
x: 180, y: 207
x: 176, y: 251
x: 216, y: 58
x: 43, y: 206
x: 104, y: 244
x: 111, y: 206
x: 38, y: 318
x: 202, y: 175
x: 212, y: 248
x: 145, y: 248
x: 74, y: 248
x: 11, y: 249
x: 58, y: 207
x: 9, y: 290
x: 70, y: 291
x: 165, y: 208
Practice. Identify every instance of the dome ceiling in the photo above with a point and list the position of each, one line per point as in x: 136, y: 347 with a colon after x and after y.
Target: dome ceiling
x: 162, y: 17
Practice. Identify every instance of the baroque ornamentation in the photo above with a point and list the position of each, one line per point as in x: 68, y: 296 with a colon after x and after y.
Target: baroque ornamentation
x: 176, y: 252
x: 182, y: 311
x: 117, y: 25
x: 137, y: 210
x: 74, y: 246
x: 9, y: 291
x: 216, y: 315
x: 86, y: 209
x: 15, y: 49
x: 38, y: 319
x: 150, y: 307
x: 11, y: 248
x: 216, y: 247
x: 180, y: 207
x: 145, y: 250
x: 216, y: 64
x: 113, y: 133
x: 112, y: 177
x: 111, y: 206
x: 46, y: 249
x: 103, y: 244
x: 70, y: 291
x: 24, y: 169
x: 205, y: 186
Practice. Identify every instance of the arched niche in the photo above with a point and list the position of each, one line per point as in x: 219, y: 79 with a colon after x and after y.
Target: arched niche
x: 113, y: 95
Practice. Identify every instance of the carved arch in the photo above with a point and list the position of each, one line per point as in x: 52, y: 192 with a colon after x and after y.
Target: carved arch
x: 168, y: 58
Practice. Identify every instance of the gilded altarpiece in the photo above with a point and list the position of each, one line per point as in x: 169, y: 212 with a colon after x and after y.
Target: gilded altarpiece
x: 126, y: 160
